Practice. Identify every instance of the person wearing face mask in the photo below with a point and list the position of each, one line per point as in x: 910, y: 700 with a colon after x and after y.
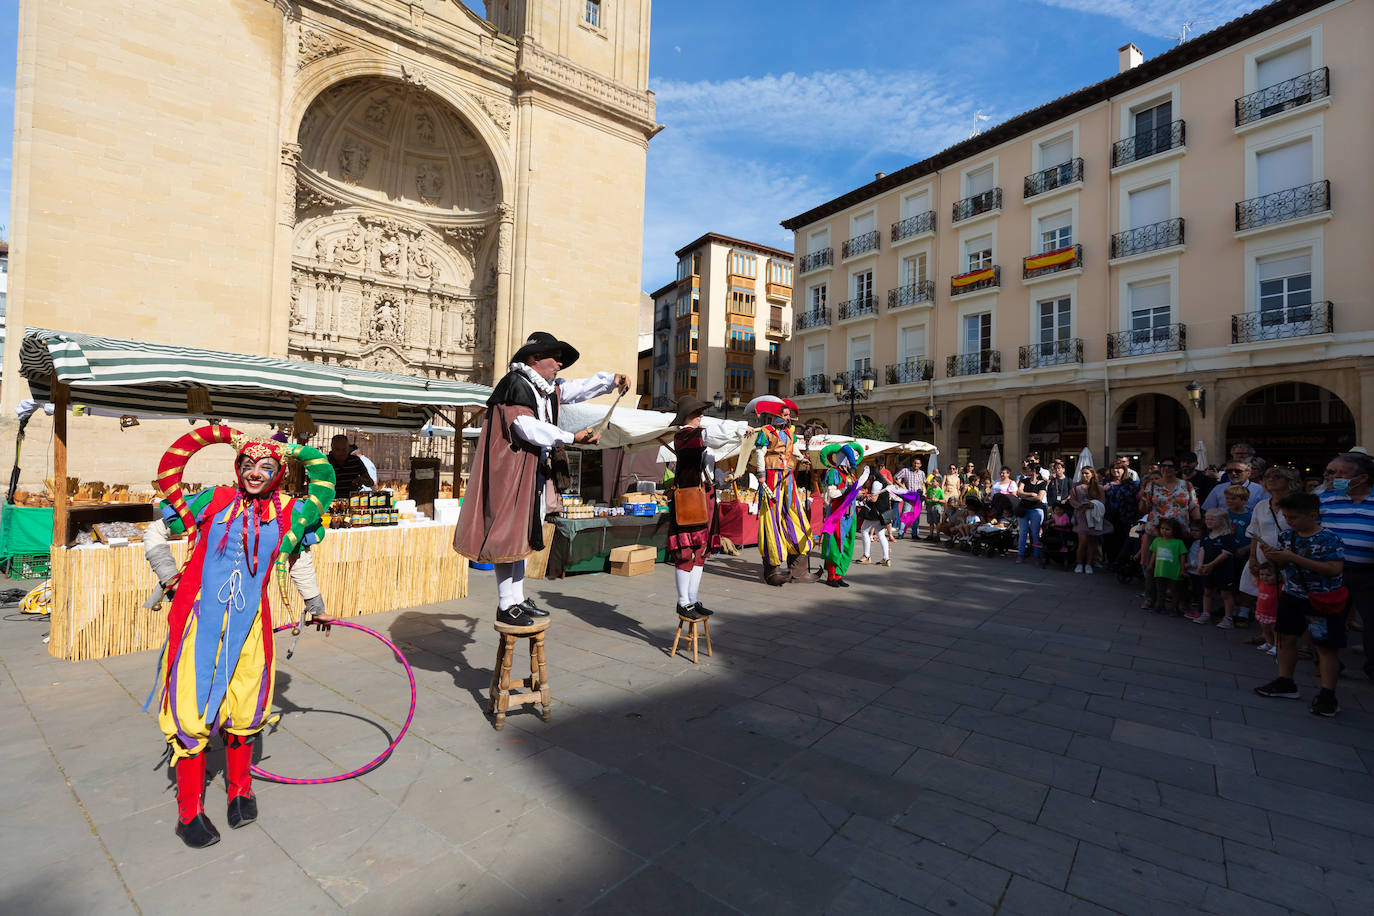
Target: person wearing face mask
x: 1347, y: 509
x: 216, y: 673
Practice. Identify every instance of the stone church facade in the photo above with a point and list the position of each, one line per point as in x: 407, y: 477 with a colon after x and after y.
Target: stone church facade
x: 401, y: 186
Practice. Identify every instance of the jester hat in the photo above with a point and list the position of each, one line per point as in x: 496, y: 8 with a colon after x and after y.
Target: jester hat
x: 771, y: 405
x: 318, y: 472
x: 851, y: 453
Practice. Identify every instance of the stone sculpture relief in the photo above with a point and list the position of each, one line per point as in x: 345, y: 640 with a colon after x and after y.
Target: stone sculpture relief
x: 353, y: 159
x: 429, y: 182
x: 314, y: 45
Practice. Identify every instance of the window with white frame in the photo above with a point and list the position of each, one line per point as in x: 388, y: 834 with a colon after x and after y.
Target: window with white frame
x: 978, y: 253
x: 1152, y: 133
x: 911, y: 343
x: 863, y: 287
x: 915, y: 203
x: 819, y: 240
x: 815, y: 359
x: 1055, y: 320
x: 1148, y: 206
x: 1285, y: 289
x: 816, y: 298
x: 1058, y: 151
x: 591, y: 13
x: 977, y: 336
x: 860, y: 354
x: 978, y: 181
x: 1283, y: 168
x: 861, y: 225
x: 1294, y: 60
x: 1056, y: 231
x: 914, y: 269
x: 1151, y: 314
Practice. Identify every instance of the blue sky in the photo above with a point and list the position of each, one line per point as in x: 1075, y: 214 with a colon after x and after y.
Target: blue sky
x: 775, y: 106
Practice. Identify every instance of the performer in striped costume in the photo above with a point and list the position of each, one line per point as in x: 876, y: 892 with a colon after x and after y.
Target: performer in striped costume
x: 784, y: 522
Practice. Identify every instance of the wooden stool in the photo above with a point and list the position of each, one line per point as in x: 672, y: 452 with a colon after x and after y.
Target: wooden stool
x: 697, y: 628
x: 536, y: 685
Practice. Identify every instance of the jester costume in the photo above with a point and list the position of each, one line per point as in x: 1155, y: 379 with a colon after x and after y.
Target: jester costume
x: 784, y: 523
x: 842, y: 486
x: 216, y: 672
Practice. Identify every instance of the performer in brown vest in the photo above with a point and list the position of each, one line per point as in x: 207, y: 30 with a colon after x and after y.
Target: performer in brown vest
x: 512, y: 489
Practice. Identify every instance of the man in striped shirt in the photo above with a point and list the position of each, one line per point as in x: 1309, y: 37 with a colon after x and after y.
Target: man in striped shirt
x: 1348, y: 511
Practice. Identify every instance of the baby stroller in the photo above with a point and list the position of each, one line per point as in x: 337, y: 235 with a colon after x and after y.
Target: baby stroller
x: 1126, y: 563
x: 991, y: 541
x: 1058, y: 546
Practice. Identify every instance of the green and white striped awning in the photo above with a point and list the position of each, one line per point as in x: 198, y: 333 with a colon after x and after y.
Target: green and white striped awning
x: 113, y: 377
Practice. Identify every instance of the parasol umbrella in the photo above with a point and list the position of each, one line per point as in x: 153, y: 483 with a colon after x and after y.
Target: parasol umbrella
x: 1085, y: 460
x: 1201, y: 450
x: 995, y: 460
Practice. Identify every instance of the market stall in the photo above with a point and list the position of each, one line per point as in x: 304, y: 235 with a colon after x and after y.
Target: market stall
x: 99, y: 589
x: 585, y: 544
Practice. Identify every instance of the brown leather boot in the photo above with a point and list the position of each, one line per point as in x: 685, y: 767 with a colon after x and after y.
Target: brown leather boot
x: 800, y: 569
x: 776, y: 575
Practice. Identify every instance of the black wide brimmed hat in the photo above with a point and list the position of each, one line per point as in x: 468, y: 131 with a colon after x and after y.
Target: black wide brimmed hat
x: 544, y: 342
x: 689, y: 407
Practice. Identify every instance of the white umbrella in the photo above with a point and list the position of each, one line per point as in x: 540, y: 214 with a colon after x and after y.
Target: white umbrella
x: 995, y: 460
x: 1201, y: 450
x: 1085, y: 460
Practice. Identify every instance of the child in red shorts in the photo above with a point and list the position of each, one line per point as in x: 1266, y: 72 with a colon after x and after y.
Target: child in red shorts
x: 1267, y: 606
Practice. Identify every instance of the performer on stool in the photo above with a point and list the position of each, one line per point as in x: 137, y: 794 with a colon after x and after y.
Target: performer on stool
x: 842, y: 488
x: 512, y: 488
x: 784, y: 519
x: 217, y: 669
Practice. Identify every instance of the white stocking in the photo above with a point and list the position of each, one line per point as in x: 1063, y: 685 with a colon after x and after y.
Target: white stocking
x: 505, y: 586
x: 696, y: 582
x: 518, y: 580
x: 683, y: 578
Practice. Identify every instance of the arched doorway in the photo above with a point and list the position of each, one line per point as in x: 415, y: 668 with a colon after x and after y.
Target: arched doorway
x: 1150, y: 427
x: 1057, y: 429
x: 1293, y: 423
x: 914, y: 424
x: 977, y: 430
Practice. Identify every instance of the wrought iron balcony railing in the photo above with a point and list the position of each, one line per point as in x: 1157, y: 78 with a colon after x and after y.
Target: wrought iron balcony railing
x: 958, y: 288
x: 816, y: 259
x: 912, y: 293
x: 1168, y: 338
x: 814, y: 318
x: 663, y: 322
x: 818, y: 383
x: 1290, y: 203
x: 1282, y: 96
x: 1163, y: 234
x: 778, y: 328
x: 779, y: 363
x: 1159, y: 140
x: 854, y: 379
x: 914, y: 369
x: 661, y: 359
x: 980, y: 363
x: 1053, y: 353
x: 1281, y: 323
x: 859, y: 244
x: 978, y: 203
x: 1053, y: 177
x: 1052, y: 262
x: 861, y: 307
x: 913, y: 225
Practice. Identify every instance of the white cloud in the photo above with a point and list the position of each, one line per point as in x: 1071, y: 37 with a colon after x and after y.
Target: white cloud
x: 1163, y: 18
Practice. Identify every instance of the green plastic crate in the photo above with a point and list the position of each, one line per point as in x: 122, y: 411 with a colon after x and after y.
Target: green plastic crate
x: 35, y: 566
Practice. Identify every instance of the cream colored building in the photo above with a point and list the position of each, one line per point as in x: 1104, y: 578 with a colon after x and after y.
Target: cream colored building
x: 1060, y: 280
x: 721, y: 325
x: 401, y: 186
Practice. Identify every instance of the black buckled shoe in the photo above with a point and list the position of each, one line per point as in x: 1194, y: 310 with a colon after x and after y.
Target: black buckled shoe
x: 689, y: 611
x: 198, y: 832
x: 533, y: 609
x: 514, y: 616
x: 701, y: 610
x: 243, y: 809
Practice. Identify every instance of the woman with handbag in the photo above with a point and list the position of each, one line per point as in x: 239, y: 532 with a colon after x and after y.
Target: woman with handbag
x: 692, y: 526
x: 1168, y: 497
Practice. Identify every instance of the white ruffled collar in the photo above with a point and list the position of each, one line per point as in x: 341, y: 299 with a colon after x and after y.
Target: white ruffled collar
x: 542, y: 385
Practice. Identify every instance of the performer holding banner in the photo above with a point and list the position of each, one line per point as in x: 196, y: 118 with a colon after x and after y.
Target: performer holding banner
x: 217, y: 671
x: 842, y: 488
x: 784, y: 522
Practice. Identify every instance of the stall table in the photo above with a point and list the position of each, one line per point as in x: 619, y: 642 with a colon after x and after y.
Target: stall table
x: 585, y: 544
x: 98, y: 592
x: 737, y: 523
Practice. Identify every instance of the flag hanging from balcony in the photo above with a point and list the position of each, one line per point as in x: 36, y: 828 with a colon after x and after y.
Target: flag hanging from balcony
x: 976, y: 276
x: 1057, y: 258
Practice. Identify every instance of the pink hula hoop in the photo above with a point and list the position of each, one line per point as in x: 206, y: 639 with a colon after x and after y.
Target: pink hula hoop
x: 380, y: 758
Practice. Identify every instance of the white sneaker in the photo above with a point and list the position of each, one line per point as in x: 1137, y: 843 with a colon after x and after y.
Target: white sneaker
x: 1273, y: 650
x: 1078, y: 568
x: 1264, y: 647
x: 1088, y: 569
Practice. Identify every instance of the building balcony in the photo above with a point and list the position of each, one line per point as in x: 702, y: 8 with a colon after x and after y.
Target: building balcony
x: 862, y: 307
x: 1052, y: 262
x: 814, y: 318
x: 913, y: 226
x: 1163, y: 234
x: 986, y: 202
x: 778, y: 329
x: 861, y: 244
x: 852, y: 380
x: 690, y: 281
x: 1151, y: 143
x: 1055, y: 177
x: 740, y: 353
x: 980, y: 363
x: 663, y: 323
x: 779, y: 363
x: 974, y: 280
x: 812, y: 384
x: 1282, y: 323
x: 914, y: 369
x: 1054, y: 353
x: 780, y: 292
x: 816, y: 260
x: 1282, y: 206
x: 1283, y: 96
x: 1169, y: 338
x: 911, y: 294
x: 660, y: 359
x: 742, y: 280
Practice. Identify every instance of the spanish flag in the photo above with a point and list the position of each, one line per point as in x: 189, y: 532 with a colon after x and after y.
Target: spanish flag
x: 1057, y: 258
x: 976, y: 276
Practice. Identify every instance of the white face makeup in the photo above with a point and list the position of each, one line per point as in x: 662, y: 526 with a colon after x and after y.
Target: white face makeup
x: 257, y: 475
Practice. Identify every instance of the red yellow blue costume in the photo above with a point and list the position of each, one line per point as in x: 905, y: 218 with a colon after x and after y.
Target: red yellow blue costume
x: 784, y: 522
x: 842, y: 485
x: 217, y: 672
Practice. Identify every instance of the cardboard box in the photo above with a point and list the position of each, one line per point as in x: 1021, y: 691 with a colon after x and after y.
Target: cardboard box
x: 635, y: 568
x: 634, y: 560
x: 636, y: 498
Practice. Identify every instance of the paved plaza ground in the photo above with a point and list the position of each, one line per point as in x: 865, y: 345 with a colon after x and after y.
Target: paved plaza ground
x: 951, y: 735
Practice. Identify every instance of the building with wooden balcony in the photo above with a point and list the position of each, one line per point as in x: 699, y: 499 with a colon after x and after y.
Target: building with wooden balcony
x: 1192, y: 221
x: 723, y: 323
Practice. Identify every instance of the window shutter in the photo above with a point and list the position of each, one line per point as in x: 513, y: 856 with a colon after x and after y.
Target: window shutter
x: 1286, y: 167
x: 1149, y: 206
x: 1284, y: 66
x: 1056, y: 152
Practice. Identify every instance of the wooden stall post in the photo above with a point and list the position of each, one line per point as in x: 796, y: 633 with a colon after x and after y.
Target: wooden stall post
x: 459, y: 418
x: 60, y: 398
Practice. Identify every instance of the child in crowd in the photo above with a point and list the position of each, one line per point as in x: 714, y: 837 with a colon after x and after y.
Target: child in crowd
x: 1196, y: 581
x: 935, y: 503
x: 1267, y: 606
x: 1166, y: 553
x: 1057, y: 534
x: 1217, y: 569
x: 1236, y: 498
x: 1313, y: 600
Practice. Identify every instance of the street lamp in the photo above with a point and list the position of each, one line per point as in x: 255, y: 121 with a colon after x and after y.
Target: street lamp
x: 845, y: 389
x: 724, y: 405
x: 1198, y: 395
x: 934, y: 414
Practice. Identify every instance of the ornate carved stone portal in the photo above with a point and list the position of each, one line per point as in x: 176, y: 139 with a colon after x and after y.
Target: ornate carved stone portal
x: 396, y: 241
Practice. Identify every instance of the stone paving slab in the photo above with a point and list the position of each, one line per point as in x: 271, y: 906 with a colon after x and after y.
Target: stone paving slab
x: 950, y: 735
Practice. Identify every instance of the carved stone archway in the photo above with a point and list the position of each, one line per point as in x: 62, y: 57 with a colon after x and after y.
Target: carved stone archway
x: 398, y: 233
